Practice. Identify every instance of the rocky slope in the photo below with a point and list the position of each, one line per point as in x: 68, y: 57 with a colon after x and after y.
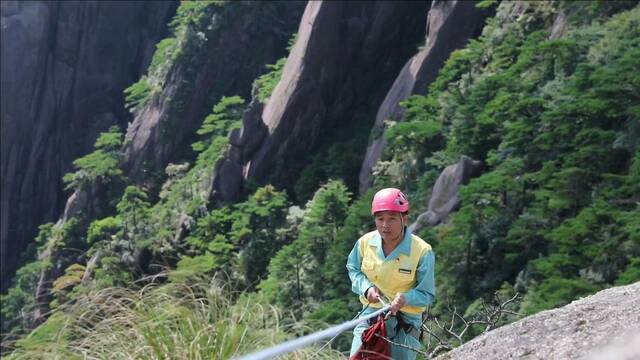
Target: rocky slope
x: 445, y: 33
x: 241, y: 39
x: 344, y: 61
x: 600, y: 326
x: 64, y: 67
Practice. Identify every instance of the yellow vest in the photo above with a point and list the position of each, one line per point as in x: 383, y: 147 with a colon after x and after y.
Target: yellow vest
x: 397, y: 275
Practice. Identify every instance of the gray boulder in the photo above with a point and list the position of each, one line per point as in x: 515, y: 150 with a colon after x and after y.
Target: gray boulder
x: 183, y: 227
x: 444, y: 197
x: 600, y: 326
x: 624, y: 347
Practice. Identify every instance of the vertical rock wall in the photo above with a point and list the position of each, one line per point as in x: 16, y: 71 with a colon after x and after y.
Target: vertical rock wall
x: 345, y: 59
x: 450, y: 26
x: 243, y: 38
x: 64, y: 67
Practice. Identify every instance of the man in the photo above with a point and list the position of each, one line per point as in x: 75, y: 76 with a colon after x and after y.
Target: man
x: 393, y: 264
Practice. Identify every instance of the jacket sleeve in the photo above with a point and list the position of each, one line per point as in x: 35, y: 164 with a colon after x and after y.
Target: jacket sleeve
x: 359, y: 281
x: 424, y: 293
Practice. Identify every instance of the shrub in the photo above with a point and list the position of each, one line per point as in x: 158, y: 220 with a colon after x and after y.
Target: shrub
x: 103, y: 164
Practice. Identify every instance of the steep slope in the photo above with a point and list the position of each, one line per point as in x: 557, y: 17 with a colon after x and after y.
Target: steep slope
x: 573, y: 331
x: 343, y: 62
x: 214, y: 44
x: 222, y: 56
x: 64, y: 66
x: 449, y: 27
x: 545, y: 100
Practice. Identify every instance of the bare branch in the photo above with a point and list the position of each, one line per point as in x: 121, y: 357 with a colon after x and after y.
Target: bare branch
x: 454, y: 329
x: 439, y: 349
x: 455, y: 312
x: 431, y: 333
x: 512, y: 313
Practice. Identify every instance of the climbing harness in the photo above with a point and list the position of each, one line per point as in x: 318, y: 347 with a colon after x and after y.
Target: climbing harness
x: 375, y: 345
x: 401, y: 324
x: 408, y: 328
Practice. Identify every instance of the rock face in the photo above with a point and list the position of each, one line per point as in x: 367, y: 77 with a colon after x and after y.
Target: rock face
x: 579, y: 330
x: 626, y: 347
x: 244, y: 38
x: 449, y: 27
x: 149, y: 147
x: 344, y: 61
x: 64, y: 68
x: 444, y: 197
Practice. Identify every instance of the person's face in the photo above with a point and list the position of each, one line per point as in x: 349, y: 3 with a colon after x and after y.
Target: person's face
x: 389, y: 224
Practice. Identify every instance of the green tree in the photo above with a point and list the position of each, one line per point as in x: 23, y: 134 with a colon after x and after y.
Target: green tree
x: 104, y: 230
x: 226, y: 116
x: 133, y: 209
x: 297, y: 273
x: 286, y: 284
x: 255, y: 231
x: 72, y: 276
x: 111, y: 271
x: 319, y: 230
x: 100, y: 165
x: 19, y: 301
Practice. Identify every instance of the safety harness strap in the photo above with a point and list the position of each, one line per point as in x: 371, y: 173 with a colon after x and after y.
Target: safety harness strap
x: 409, y: 329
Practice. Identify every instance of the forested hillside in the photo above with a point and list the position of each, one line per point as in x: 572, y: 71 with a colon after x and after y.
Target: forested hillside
x: 190, y: 262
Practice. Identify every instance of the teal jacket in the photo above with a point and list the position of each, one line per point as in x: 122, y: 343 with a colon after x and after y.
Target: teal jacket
x: 424, y: 291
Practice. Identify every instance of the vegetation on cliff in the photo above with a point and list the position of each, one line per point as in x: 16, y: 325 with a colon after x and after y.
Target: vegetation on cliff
x: 555, y: 119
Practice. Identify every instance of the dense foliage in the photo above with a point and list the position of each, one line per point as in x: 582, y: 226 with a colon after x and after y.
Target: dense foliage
x: 556, y: 123
x: 190, y: 27
x: 297, y: 276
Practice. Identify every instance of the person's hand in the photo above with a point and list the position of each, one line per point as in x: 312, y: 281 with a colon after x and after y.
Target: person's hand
x: 373, y: 294
x: 397, y: 303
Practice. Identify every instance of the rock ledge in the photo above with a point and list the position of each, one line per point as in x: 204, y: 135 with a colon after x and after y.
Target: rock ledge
x: 581, y: 330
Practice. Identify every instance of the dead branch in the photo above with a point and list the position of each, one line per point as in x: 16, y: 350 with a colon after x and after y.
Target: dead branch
x: 455, y: 329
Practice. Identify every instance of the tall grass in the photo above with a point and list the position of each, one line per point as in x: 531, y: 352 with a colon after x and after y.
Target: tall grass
x: 167, y: 321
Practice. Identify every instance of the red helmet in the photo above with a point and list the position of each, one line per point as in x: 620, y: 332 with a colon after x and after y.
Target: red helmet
x: 390, y: 199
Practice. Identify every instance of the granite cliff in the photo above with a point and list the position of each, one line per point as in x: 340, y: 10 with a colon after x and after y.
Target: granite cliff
x: 600, y: 326
x: 344, y: 60
x: 64, y: 67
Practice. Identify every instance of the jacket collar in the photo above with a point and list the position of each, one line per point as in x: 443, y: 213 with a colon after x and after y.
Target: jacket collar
x: 404, y: 246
